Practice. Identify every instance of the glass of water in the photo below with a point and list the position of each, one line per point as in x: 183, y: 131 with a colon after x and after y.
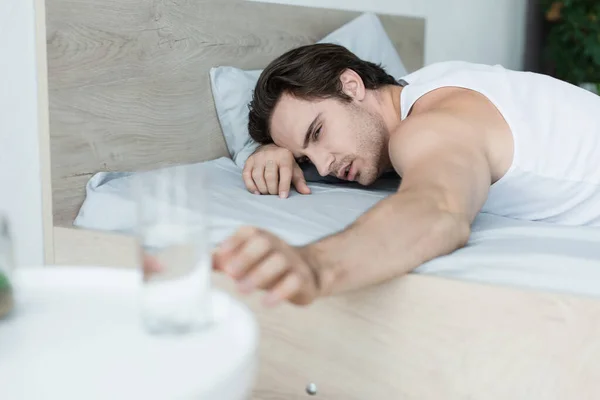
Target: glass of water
x: 174, y: 250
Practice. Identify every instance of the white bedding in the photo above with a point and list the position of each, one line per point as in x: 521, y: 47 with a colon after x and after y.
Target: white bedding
x: 500, y: 251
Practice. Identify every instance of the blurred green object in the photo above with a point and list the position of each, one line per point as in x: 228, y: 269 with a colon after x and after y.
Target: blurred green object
x: 573, y: 42
x: 4, y: 282
x: 6, y: 295
x: 6, y: 266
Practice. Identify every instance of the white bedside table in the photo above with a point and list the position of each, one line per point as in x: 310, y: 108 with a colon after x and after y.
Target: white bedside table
x: 75, y: 333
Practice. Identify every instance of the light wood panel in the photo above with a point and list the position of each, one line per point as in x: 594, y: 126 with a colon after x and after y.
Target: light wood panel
x: 417, y: 337
x: 44, y: 129
x: 129, y: 83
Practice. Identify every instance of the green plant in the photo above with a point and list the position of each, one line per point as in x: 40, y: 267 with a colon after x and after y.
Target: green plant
x: 573, y: 42
x: 4, y: 282
x: 6, y: 297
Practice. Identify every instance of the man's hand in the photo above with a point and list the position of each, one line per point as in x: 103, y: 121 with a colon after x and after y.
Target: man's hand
x: 272, y: 170
x: 259, y: 260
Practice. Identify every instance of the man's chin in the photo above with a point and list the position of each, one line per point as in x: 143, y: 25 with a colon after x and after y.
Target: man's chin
x: 368, y: 178
x: 365, y: 180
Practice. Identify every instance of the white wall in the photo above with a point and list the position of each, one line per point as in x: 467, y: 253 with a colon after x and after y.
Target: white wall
x: 484, y: 31
x: 20, y: 189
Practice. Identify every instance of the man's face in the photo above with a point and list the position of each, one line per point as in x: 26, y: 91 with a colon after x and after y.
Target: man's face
x: 342, y: 139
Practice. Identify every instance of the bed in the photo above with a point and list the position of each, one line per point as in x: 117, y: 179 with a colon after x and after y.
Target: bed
x: 129, y: 91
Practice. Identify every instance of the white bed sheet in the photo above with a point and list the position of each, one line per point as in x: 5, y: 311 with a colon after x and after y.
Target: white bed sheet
x: 500, y: 251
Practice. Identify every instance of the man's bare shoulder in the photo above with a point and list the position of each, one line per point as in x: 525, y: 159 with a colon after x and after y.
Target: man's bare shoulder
x: 439, y: 156
x: 432, y: 131
x: 453, y: 118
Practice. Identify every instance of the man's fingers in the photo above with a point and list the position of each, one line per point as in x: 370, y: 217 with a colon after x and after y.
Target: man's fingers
x: 150, y: 266
x: 226, y: 250
x: 248, y: 181
x: 247, y: 256
x: 216, y: 260
x: 266, y: 274
x: 285, y: 180
x: 229, y: 246
x: 285, y: 289
x: 258, y: 175
x: 272, y: 177
x: 299, y: 181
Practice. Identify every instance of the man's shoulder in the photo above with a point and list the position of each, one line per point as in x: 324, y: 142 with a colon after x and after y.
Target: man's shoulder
x: 436, y: 127
x: 451, y: 102
x: 449, y: 99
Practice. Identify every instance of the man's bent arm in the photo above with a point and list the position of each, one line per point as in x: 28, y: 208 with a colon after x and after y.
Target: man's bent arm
x: 446, y: 178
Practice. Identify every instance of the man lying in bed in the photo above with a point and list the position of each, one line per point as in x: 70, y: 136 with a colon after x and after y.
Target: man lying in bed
x: 463, y: 137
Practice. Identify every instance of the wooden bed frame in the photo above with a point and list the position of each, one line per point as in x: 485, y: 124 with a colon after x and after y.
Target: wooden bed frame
x: 129, y: 89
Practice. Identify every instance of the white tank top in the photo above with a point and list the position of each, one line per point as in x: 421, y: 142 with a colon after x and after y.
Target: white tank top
x: 555, y: 174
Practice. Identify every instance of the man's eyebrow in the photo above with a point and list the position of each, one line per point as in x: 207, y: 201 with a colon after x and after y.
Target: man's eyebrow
x: 309, y: 131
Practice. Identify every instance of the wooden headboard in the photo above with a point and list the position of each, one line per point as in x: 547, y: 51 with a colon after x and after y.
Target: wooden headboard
x: 129, y: 84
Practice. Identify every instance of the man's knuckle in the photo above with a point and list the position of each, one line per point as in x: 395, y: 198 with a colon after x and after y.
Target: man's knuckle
x: 262, y: 242
x: 295, y: 281
x: 282, y: 153
x: 248, y: 230
x: 278, y: 259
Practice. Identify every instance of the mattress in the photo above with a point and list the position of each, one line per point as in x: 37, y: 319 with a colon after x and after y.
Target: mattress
x: 500, y: 251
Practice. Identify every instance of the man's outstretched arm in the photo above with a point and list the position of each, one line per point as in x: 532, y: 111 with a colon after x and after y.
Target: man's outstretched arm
x: 446, y: 178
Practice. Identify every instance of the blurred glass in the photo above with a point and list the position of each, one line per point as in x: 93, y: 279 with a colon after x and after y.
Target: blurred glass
x: 6, y: 267
x: 174, y: 255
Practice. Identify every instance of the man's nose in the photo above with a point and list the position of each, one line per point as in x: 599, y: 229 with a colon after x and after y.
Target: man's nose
x: 323, y: 171
x: 323, y: 163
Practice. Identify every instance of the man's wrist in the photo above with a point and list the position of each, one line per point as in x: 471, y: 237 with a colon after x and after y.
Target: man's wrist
x: 323, y: 270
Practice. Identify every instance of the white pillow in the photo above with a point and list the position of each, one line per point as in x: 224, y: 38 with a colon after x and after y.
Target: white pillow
x: 232, y: 87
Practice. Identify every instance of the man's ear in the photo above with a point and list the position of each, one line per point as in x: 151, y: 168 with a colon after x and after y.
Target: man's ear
x: 352, y: 85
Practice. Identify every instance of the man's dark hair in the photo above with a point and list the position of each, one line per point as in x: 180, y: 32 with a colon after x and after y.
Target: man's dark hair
x: 307, y: 72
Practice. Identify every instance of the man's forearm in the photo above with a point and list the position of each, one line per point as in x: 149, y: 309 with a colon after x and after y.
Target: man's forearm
x: 393, y: 238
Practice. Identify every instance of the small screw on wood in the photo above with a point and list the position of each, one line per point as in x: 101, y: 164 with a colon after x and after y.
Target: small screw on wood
x: 311, y: 389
